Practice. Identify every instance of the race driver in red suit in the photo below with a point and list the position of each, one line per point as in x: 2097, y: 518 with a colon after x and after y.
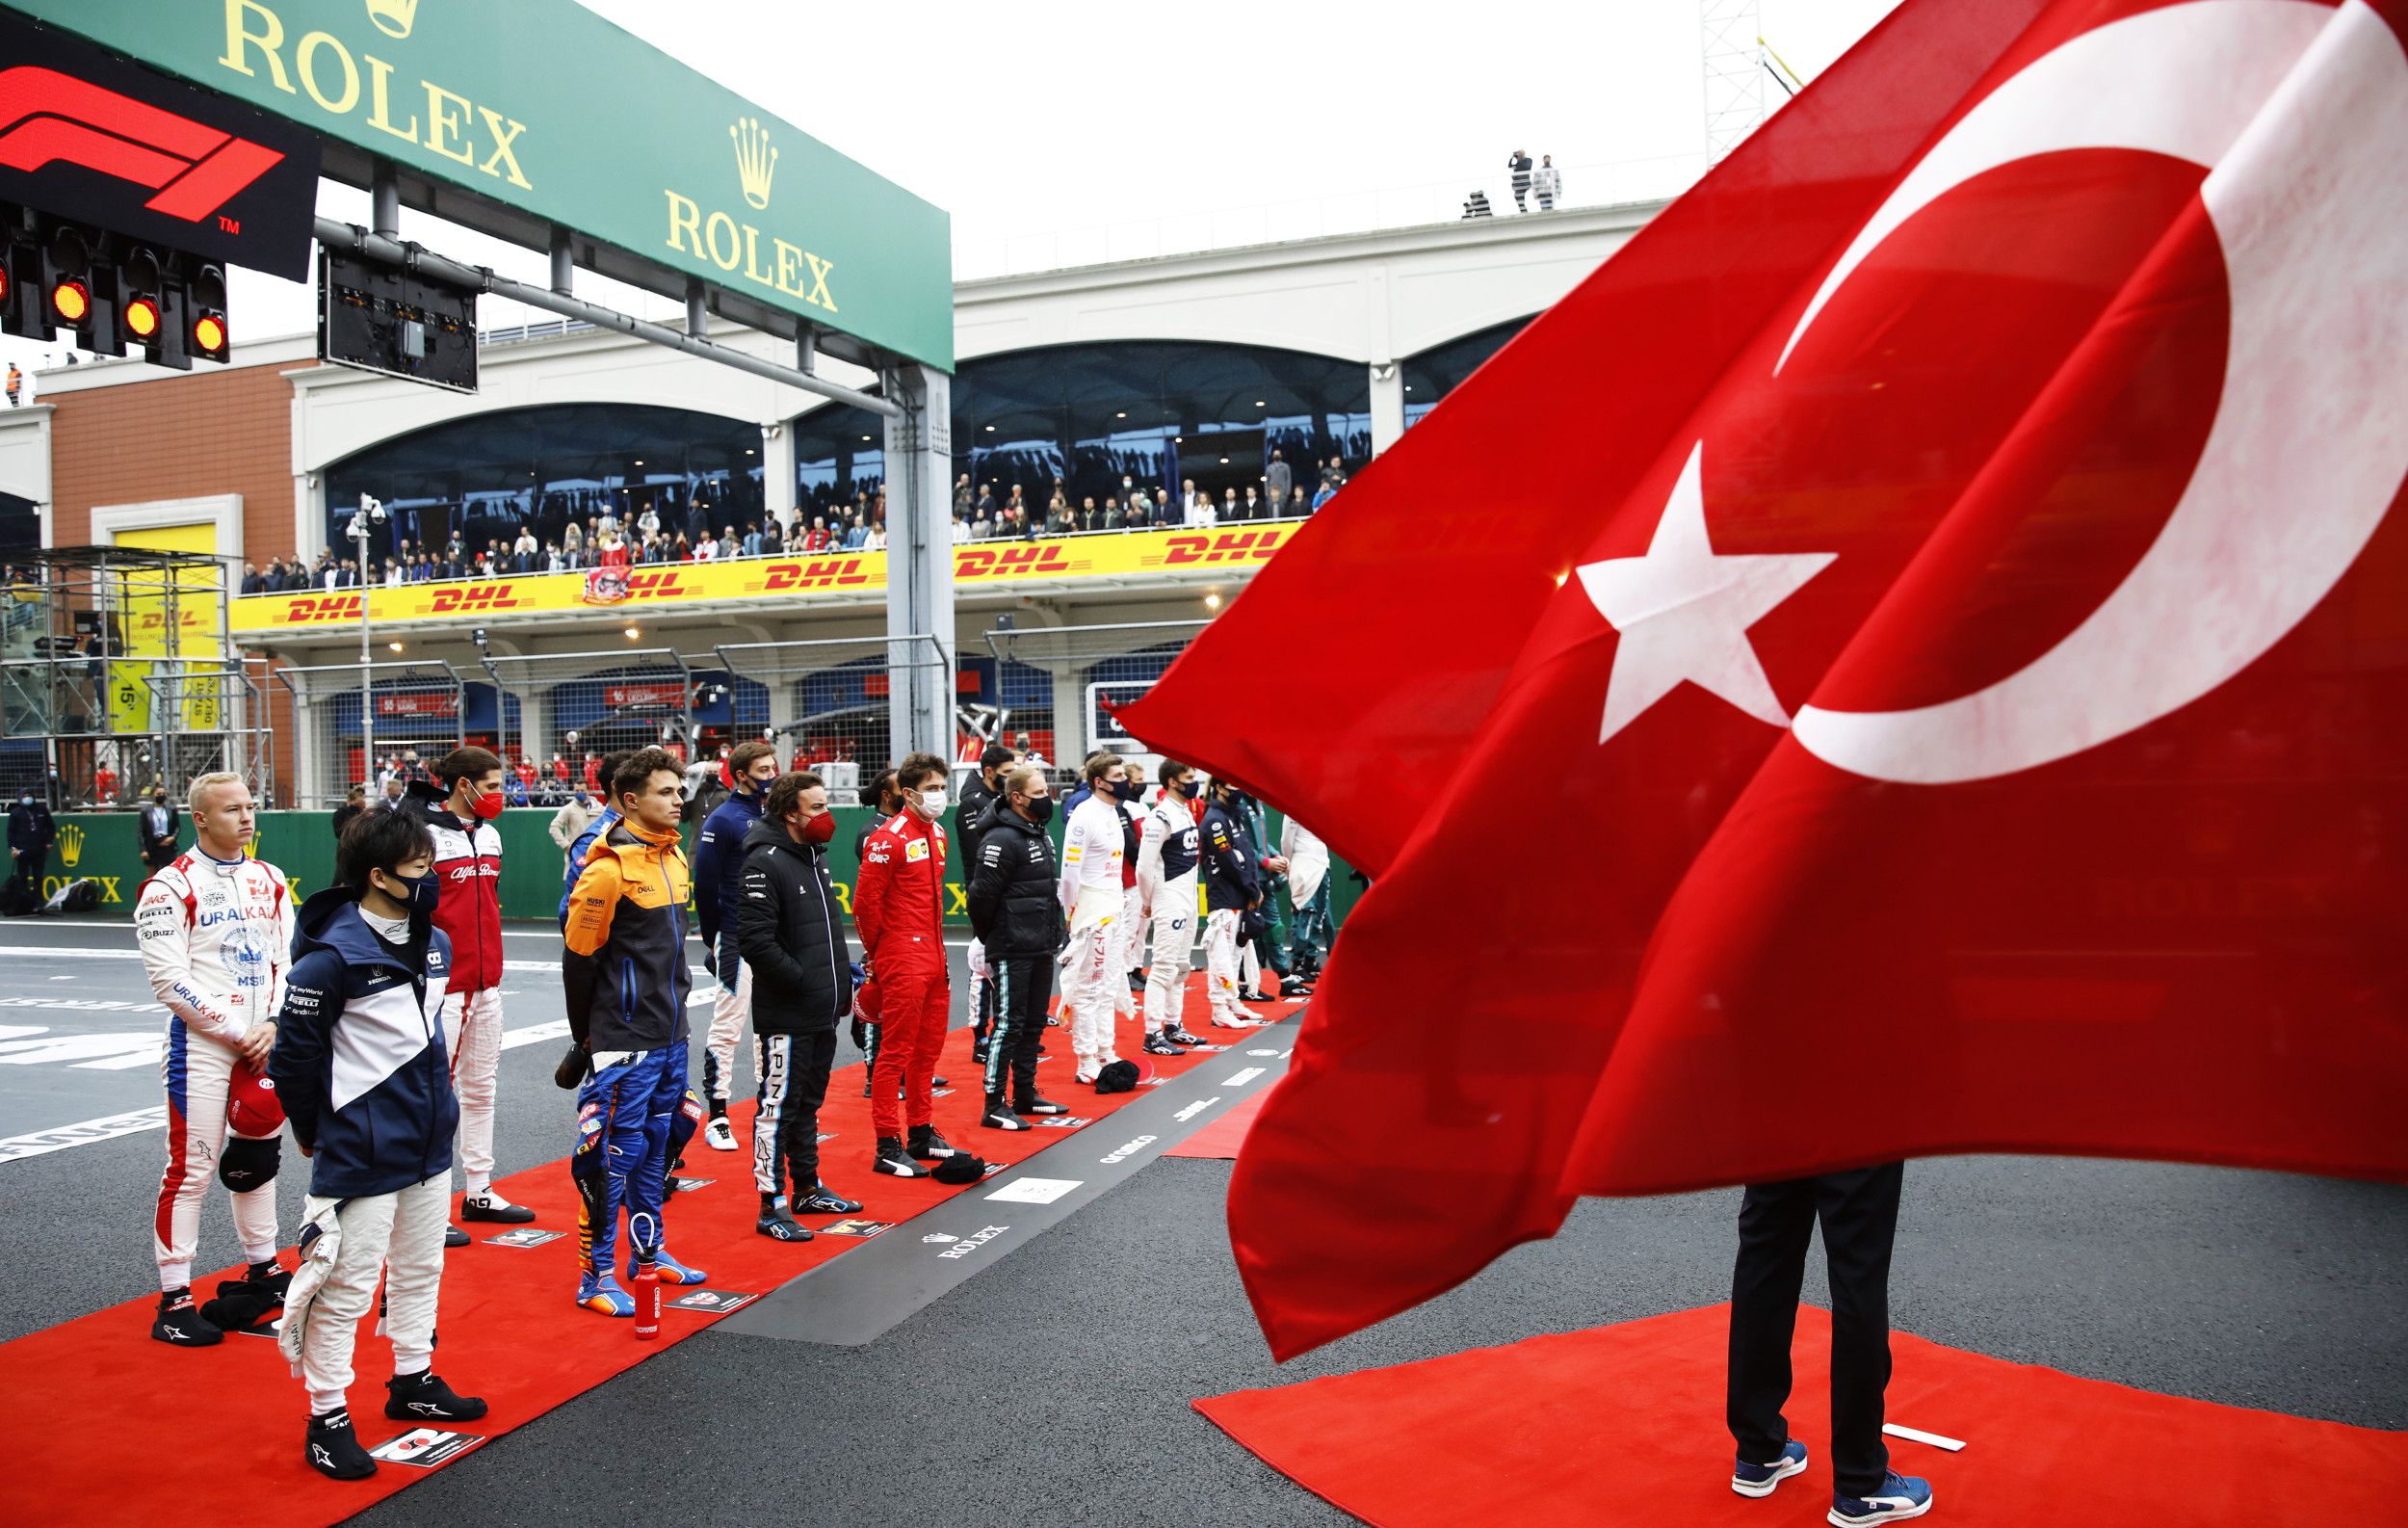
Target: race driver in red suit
x: 898, y: 910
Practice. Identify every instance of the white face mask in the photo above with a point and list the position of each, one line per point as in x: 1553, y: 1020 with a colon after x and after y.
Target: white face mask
x: 933, y: 802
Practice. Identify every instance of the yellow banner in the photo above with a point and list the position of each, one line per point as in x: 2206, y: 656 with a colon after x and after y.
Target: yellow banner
x: 767, y: 579
x: 129, y: 698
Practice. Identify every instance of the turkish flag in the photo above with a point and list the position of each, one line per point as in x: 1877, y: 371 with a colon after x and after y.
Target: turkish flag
x: 1910, y: 657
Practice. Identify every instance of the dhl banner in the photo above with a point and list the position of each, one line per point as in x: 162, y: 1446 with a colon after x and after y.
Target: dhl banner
x: 757, y: 579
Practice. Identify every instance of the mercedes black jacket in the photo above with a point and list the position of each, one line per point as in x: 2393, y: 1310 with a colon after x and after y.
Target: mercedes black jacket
x: 1013, y: 909
x: 788, y: 928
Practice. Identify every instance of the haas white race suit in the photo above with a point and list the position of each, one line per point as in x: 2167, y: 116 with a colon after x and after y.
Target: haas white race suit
x: 216, y: 939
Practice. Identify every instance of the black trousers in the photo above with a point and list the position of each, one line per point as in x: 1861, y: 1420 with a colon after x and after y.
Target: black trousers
x: 793, y: 1083
x: 1022, y: 984
x: 1859, y: 1215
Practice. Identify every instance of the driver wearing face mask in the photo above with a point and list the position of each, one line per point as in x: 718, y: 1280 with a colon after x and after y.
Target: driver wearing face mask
x: 718, y: 873
x: 458, y: 807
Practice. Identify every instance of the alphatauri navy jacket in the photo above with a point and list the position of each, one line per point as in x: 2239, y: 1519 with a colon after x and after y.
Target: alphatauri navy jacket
x: 359, y: 1063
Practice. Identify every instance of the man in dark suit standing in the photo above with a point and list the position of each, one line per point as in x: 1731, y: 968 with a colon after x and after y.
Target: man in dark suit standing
x: 156, y: 829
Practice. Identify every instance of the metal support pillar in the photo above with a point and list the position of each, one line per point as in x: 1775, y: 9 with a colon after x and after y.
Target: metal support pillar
x: 385, y: 201
x: 564, y: 263
x: 920, y: 559
x: 783, y: 714
x: 697, y: 311
x: 777, y: 473
x: 1387, y: 405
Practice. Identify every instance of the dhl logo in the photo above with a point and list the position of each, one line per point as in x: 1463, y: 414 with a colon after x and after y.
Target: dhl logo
x: 474, y: 599
x: 1229, y: 547
x: 820, y: 572
x: 1010, y: 561
x: 656, y: 586
x: 328, y: 607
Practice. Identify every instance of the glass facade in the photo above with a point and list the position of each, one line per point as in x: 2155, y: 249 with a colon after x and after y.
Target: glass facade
x: 1440, y: 369
x: 1158, y: 412
x: 488, y: 476
x: 20, y: 524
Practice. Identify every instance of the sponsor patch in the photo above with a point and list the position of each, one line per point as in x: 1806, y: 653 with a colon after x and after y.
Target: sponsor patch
x: 917, y: 849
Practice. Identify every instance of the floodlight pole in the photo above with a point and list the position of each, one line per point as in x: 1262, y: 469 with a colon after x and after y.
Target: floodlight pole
x: 367, y: 695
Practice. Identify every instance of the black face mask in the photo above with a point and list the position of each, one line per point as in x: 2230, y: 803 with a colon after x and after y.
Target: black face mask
x: 1041, y: 809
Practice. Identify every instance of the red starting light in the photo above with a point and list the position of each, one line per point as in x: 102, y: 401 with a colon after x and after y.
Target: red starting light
x: 209, y: 334
x: 5, y: 283
x: 141, y: 319
x: 71, y: 302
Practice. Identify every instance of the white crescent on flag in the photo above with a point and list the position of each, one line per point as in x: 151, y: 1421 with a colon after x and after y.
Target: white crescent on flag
x: 2300, y: 114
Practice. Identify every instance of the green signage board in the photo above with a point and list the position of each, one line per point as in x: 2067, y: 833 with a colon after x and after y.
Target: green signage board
x: 544, y: 106
x: 105, y: 846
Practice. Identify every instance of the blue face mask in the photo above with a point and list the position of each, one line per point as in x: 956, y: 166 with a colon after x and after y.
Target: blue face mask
x: 1187, y: 790
x: 423, y: 892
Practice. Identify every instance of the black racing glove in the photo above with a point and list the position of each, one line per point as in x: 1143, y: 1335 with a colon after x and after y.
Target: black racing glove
x: 573, y: 1069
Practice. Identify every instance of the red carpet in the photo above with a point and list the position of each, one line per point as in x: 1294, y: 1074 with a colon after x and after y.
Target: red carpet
x: 1222, y: 1138
x: 107, y: 1414
x: 1624, y: 1424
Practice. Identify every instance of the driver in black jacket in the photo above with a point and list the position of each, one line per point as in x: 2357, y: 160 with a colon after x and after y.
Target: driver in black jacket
x: 978, y: 795
x: 788, y: 931
x: 1017, y: 916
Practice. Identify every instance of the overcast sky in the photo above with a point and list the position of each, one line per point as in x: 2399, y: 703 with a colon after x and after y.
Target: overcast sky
x: 1024, y: 121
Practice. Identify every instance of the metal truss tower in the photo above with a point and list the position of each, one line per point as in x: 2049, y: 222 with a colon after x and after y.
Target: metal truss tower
x: 1734, y: 73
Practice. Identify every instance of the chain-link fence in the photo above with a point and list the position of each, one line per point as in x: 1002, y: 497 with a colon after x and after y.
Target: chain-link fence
x: 559, y: 712
x: 1092, y: 670
x: 830, y: 701
x: 419, y: 714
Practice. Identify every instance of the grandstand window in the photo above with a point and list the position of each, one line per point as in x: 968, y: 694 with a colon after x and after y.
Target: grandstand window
x: 487, y: 477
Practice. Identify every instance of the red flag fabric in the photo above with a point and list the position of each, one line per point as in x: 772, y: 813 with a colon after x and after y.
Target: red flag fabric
x: 1910, y: 657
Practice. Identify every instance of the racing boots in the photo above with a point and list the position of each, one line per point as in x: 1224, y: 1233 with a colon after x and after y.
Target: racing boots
x: 893, y: 1160
x: 178, y: 1322
x: 423, y: 1398
x: 928, y: 1146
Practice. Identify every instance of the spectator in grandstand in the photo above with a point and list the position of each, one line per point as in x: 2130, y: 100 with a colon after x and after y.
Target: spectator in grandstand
x: 1548, y: 183
x: 1299, y: 506
x: 876, y: 541
x: 1016, y: 506
x: 1252, y: 508
x: 1519, y: 162
x: 772, y: 539
x: 984, y: 509
x: 1277, y: 478
x: 1328, y: 492
x: 1058, y: 518
x: 856, y: 533
x: 1476, y: 206
x: 252, y: 583
x: 963, y: 498
x: 962, y: 531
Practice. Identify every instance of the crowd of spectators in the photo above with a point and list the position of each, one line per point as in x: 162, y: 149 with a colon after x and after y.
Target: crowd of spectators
x: 979, y: 513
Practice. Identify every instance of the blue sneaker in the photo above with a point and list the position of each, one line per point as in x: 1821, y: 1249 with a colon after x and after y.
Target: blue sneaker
x: 601, y: 1293
x: 1758, y: 1479
x: 673, y: 1272
x: 1900, y: 1496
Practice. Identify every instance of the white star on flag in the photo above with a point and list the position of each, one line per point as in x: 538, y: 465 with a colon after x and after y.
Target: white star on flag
x: 1684, y: 612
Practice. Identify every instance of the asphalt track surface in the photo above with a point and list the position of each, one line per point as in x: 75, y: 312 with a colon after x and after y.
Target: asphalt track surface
x: 1054, y: 1385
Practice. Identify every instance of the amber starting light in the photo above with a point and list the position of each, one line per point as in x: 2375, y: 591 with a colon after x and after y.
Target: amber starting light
x: 141, y: 319
x: 71, y: 302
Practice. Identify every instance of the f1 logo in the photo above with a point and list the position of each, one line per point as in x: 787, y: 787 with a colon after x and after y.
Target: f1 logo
x: 47, y: 116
